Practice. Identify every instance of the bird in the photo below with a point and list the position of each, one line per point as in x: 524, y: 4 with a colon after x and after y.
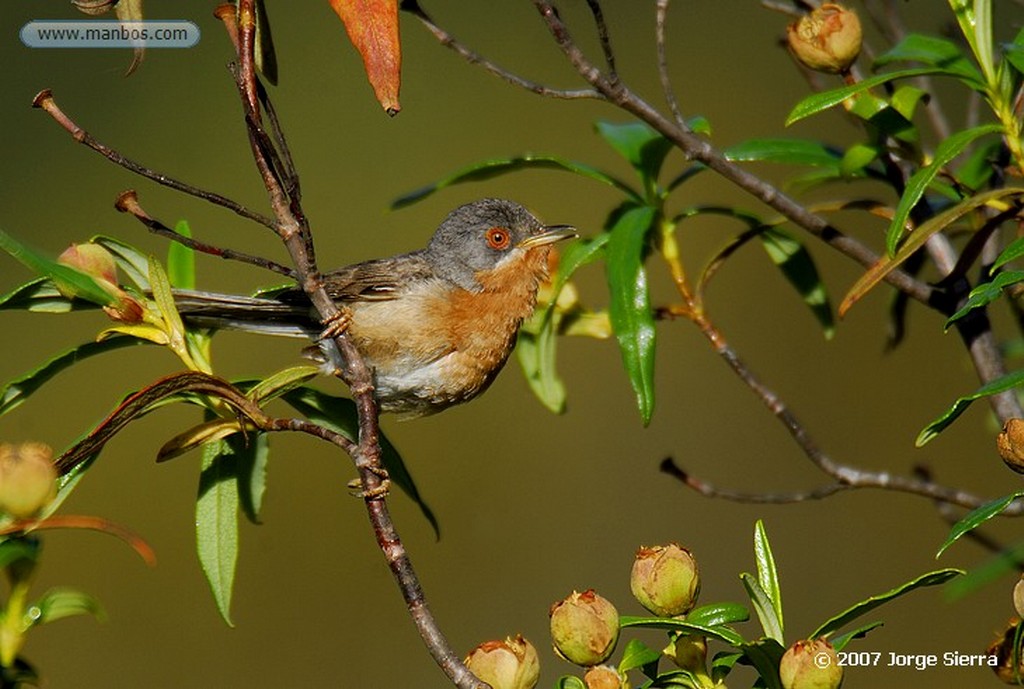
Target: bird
x: 435, y: 325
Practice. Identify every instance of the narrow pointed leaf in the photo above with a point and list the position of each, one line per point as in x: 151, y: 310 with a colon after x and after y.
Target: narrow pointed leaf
x: 840, y: 642
x: 823, y: 101
x: 765, y: 655
x: 718, y: 613
x: 976, y: 518
x: 995, y: 568
x: 372, y: 26
x: 918, y: 183
x: 844, y: 618
x: 763, y: 608
x: 18, y: 390
x: 41, y: 296
x: 798, y: 267
x: 1001, y: 384
x: 885, y: 265
x: 339, y: 414
x: 638, y: 143
x: 934, y: 52
x: 67, y: 278
x: 636, y: 655
x: 630, y: 307
x: 61, y: 602
x: 181, y: 260
x: 281, y: 382
x: 201, y: 434
x: 217, y: 523
x: 536, y: 352
x: 253, y: 459
x: 720, y: 632
x: 495, y: 167
x: 986, y: 293
x: 133, y: 262
x: 1012, y: 252
x: 787, y: 151
x: 767, y: 574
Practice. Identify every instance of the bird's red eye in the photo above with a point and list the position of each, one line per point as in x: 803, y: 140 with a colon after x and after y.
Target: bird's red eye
x: 498, y: 238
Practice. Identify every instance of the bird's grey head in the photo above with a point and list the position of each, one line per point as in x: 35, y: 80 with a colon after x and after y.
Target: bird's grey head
x: 479, y: 235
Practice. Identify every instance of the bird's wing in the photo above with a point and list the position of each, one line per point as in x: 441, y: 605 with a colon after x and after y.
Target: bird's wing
x: 377, y: 280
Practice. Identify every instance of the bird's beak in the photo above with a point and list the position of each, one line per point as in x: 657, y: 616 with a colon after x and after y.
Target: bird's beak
x: 549, y: 235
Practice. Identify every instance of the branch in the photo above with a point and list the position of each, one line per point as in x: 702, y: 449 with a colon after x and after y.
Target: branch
x: 474, y: 58
x: 44, y: 100
x: 666, y: 81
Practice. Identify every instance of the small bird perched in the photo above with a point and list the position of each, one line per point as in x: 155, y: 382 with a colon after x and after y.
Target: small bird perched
x: 436, y: 325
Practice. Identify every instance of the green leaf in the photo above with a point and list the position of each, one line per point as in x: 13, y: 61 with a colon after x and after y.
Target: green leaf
x: 840, y: 642
x: 570, y: 682
x: 489, y: 169
x: 765, y: 655
x: 536, y: 354
x: 281, y: 382
x: 19, y: 389
x: 933, y: 52
x: 17, y: 548
x: 252, y: 474
x: 339, y: 414
x: 637, y: 654
x: 764, y: 607
x: 1004, y: 563
x: 949, y: 149
x: 61, y: 602
x: 720, y: 632
x: 217, y: 521
x: 985, y: 293
x: 980, y: 164
x: 630, y: 308
x: 865, y: 606
x: 818, y: 102
x: 133, y: 262
x: 798, y: 267
x: 767, y: 574
x: 68, y: 279
x: 1012, y: 252
x: 181, y: 260
x: 976, y: 518
x: 885, y: 265
x: 718, y: 613
x: 788, y: 151
x: 41, y: 296
x: 637, y: 142
x: 857, y: 158
x: 1001, y: 384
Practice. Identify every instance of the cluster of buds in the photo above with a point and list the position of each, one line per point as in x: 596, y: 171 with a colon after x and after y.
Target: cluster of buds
x: 828, y: 39
x: 98, y: 263
x: 28, y: 479
x: 811, y: 664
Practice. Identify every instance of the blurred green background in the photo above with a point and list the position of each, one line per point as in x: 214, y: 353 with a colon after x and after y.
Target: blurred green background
x: 531, y: 505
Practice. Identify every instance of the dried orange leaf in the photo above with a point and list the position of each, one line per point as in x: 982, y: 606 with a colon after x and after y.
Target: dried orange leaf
x: 372, y: 26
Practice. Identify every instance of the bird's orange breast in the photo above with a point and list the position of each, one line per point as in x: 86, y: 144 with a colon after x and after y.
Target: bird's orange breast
x: 437, y: 344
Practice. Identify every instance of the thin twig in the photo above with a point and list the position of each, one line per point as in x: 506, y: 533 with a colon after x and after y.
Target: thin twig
x: 128, y: 202
x: 449, y: 41
x: 603, y: 37
x: 666, y: 81
x: 44, y: 99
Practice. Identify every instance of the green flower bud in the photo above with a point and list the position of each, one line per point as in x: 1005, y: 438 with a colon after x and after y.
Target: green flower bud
x: 1018, y: 596
x: 508, y: 664
x: 99, y: 264
x: 811, y: 664
x: 665, y: 579
x: 28, y: 479
x: 602, y: 677
x: 689, y: 653
x: 584, y: 627
x: 827, y: 40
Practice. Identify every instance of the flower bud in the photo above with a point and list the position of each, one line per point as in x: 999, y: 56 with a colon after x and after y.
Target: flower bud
x: 508, y: 664
x: 811, y: 664
x: 98, y: 263
x: 1010, y: 443
x: 602, y: 677
x: 665, y: 579
x: 827, y: 40
x: 584, y: 627
x: 689, y: 653
x: 28, y: 479
x: 1018, y: 596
